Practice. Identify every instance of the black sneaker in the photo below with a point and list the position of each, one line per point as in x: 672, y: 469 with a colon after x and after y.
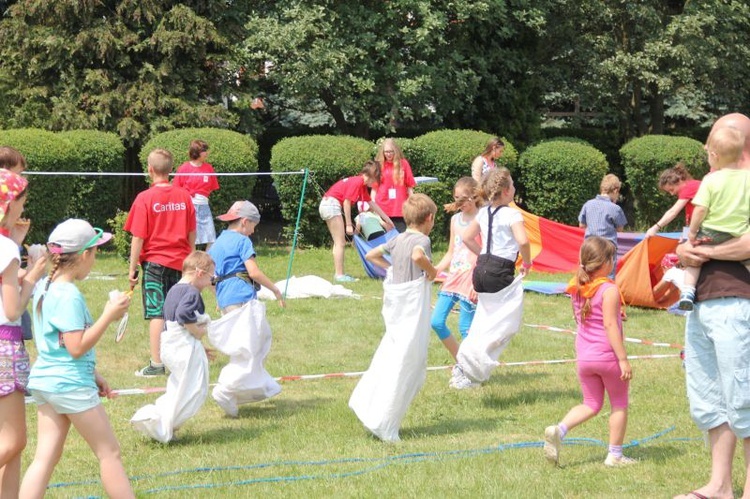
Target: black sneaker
x: 151, y: 371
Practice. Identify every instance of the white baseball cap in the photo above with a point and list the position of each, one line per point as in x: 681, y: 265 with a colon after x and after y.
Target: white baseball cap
x: 76, y: 236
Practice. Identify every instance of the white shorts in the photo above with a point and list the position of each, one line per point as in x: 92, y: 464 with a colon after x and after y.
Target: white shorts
x: 329, y: 208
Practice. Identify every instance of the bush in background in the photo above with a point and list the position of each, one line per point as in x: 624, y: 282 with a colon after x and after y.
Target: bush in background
x: 559, y: 176
x: 447, y: 154
x: 121, y: 239
x: 441, y: 194
x: 94, y: 198
x: 644, y: 159
x: 229, y: 152
x: 329, y: 159
x: 49, y: 196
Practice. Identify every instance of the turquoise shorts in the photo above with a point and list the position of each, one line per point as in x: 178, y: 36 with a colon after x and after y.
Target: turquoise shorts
x: 717, y: 364
x: 74, y: 402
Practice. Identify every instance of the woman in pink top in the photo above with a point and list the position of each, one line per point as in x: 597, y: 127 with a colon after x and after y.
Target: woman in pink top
x: 600, y: 352
x: 676, y: 181
x: 396, y: 182
x: 200, y: 183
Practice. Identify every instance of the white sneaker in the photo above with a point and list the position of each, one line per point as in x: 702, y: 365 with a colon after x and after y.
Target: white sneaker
x: 461, y: 381
x: 613, y: 461
x: 229, y: 406
x: 552, y: 444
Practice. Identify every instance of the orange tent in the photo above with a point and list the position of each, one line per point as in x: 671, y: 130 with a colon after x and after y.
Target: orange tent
x: 640, y: 270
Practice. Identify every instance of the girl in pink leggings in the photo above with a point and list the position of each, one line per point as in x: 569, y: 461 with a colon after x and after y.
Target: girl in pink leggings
x: 600, y: 351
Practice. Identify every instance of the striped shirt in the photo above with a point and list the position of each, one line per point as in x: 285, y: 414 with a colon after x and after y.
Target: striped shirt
x: 602, y: 218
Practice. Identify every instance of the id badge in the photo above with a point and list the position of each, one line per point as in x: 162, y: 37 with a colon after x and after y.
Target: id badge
x: 391, y: 193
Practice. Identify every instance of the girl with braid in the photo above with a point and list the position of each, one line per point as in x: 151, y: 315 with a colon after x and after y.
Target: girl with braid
x: 64, y: 382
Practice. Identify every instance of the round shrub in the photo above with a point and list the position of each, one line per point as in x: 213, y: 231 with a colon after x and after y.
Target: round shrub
x: 49, y: 195
x: 644, y: 159
x: 329, y: 159
x: 95, y: 197
x: 447, y: 154
x: 230, y: 152
x: 559, y: 176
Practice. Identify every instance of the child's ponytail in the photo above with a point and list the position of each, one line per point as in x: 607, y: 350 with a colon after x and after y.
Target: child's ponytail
x: 595, y: 252
x: 59, y: 260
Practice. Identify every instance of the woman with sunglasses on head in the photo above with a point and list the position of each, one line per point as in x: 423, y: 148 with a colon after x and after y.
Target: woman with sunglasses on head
x: 459, y: 261
x: 396, y: 182
x: 486, y: 161
x: 64, y: 381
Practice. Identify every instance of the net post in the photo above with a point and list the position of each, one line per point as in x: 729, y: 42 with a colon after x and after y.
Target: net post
x: 296, y: 230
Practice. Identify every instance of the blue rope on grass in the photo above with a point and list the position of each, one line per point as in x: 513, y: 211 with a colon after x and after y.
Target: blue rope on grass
x: 378, y: 463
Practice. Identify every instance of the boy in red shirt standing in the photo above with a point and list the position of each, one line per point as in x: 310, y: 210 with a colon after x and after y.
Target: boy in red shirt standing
x: 162, y: 222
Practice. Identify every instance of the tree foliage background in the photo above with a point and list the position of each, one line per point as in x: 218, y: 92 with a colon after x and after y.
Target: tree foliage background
x: 371, y: 68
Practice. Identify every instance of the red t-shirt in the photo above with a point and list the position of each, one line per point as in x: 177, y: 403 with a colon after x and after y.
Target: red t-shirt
x: 688, y: 191
x: 389, y: 197
x: 351, y: 188
x: 197, y: 184
x: 163, y: 217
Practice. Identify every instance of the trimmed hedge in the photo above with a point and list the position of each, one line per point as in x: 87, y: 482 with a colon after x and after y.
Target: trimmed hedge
x: 94, y: 198
x: 447, y: 154
x: 441, y: 194
x: 559, y: 176
x: 644, y: 159
x: 329, y: 159
x: 49, y: 196
x: 230, y: 152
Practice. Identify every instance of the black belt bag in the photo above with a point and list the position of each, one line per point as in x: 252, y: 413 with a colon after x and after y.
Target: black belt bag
x: 240, y: 275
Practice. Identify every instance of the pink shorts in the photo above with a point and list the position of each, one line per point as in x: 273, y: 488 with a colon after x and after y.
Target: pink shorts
x: 598, y: 377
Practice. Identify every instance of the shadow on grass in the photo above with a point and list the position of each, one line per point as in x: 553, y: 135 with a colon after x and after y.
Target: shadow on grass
x: 498, y: 401
x: 447, y: 427
x: 281, y: 408
x: 644, y: 455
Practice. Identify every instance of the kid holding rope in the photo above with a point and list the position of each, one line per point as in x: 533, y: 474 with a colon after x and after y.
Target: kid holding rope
x: 600, y: 352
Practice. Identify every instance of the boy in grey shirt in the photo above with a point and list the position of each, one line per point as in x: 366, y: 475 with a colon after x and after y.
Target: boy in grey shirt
x: 410, y: 251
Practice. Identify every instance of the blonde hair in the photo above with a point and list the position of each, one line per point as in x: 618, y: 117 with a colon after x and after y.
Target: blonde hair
x: 491, y: 145
x: 60, y: 261
x: 417, y: 208
x: 610, y: 183
x: 161, y: 161
x: 727, y: 143
x: 469, y: 185
x: 494, y: 183
x: 594, y: 254
x: 673, y: 176
x: 398, y: 155
x: 197, y: 260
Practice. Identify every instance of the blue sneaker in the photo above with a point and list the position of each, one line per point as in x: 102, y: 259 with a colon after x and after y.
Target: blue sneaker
x: 345, y: 278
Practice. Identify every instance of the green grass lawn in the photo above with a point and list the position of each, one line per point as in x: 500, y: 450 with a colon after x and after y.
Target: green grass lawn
x: 306, y: 442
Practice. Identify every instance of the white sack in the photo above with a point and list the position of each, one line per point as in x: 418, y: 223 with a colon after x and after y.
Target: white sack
x: 496, y: 321
x: 187, y: 385
x: 309, y: 286
x: 399, y: 366
x: 245, y: 336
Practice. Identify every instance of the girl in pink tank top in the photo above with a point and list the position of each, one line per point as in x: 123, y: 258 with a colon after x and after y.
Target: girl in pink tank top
x: 600, y: 352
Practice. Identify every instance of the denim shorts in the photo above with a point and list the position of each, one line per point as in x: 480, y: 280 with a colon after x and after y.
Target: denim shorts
x: 329, y: 208
x: 205, y: 232
x: 74, y: 402
x: 717, y: 364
